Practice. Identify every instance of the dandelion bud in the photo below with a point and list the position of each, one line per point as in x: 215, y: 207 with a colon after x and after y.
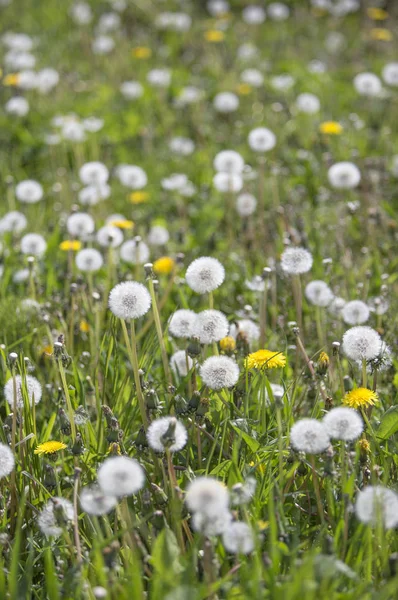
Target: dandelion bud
x: 194, y: 347
x: 348, y: 383
x: 203, y: 407
x: 58, y: 347
x: 152, y: 400
x: 336, y: 348
x: 78, y: 447
x: 65, y: 426
x: 12, y: 358
x: 148, y: 268
x: 267, y: 271
x: 194, y: 401
x: 167, y: 433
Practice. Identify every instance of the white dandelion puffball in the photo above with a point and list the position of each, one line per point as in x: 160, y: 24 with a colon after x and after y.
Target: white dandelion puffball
x: 33, y: 244
x: 208, y: 496
x: 181, y: 363
x: 120, y: 476
x: 158, y: 236
x: 160, y: 78
x: 226, y: 102
x: 29, y: 191
x: 228, y: 161
x: 57, y: 512
x: 256, y: 284
x: 210, y: 326
x: 344, y: 176
x: 228, y: 182
x: 355, y: 312
x: 167, y: 433
x: 278, y: 11
x: 81, y: 13
x: 310, y: 436
x: 205, y: 274
x: 361, y: 343
x: 94, y: 502
x: 46, y: 80
x: 174, y: 183
x: 7, y: 460
x: 135, y: 252
x: 13, y: 221
x: 278, y: 391
x: 248, y: 328
x: 377, y: 501
x: 92, y: 194
x: 210, y: 525
x: 253, y: 15
x: 246, y: 204
x: 296, y: 261
x: 390, y: 74
x: 238, y: 538
x: 247, y: 51
x: 261, y: 139
x: 132, y: 177
x: 181, y: 323
x: 308, y: 103
x: 93, y: 173
x: 282, y: 82
x: 80, y: 225
x: 218, y: 372
x: 32, y: 387
x: 109, y: 236
x: 252, y: 77
x: 103, y: 44
x: 217, y: 7
x: 343, y: 423
x: 18, y: 106
x: 73, y: 131
x: 129, y: 300
x: 336, y: 306
x: 182, y: 146
x: 367, y: 84
x: 109, y: 22
x: 131, y: 90
x: 89, y: 260
x: 318, y: 293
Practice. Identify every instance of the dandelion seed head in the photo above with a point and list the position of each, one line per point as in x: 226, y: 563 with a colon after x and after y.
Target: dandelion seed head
x: 181, y: 323
x: 308, y: 103
x: 129, y: 300
x: 219, y: 372
x: 390, y: 74
x: 33, y: 244
x: 261, y: 139
x: 246, y: 204
x: 13, y: 221
x: 33, y: 388
x: 134, y: 252
x: 131, y: 90
x: 94, y: 173
x: 56, y: 512
x: 80, y: 225
x: 120, y: 476
x: 318, y: 293
x: 132, y: 176
x: 374, y: 502
x: 296, y: 261
x: 208, y: 496
x: 238, y: 538
x: 355, y: 312
x: 226, y: 102
x: 205, y: 274
x: 253, y: 14
x: 89, y: 260
x: 211, y: 525
x: 343, y: 424
x: 228, y: 182
x: 344, y: 176
x: 228, y: 161
x: 361, y: 343
x: 167, y: 433
x: 158, y: 235
x: 367, y: 84
x: 248, y: 327
x: 29, y: 191
x: 94, y: 502
x: 7, y: 460
x: 310, y: 436
x: 180, y: 363
x: 210, y: 326
x: 109, y: 236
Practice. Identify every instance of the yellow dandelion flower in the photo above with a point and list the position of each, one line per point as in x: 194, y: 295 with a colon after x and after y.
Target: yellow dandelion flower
x: 364, y: 446
x: 47, y: 350
x: 324, y: 359
x: 377, y: 14
x: 360, y: 398
x: 214, y: 35
x: 260, y: 467
x: 138, y: 197
x: 11, y: 79
x: 164, y: 265
x: 50, y: 447
x: 244, y: 89
x: 330, y: 128
x: 141, y: 52
x: 84, y: 326
x: 228, y: 344
x: 67, y: 245
x: 265, y: 358
x: 114, y: 449
x: 380, y: 34
x: 262, y: 525
x: 123, y: 224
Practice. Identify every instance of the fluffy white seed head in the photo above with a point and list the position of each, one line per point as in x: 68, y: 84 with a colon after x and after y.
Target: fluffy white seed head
x: 80, y: 225
x: 226, y: 102
x: 120, y: 476
x: 367, y: 84
x: 134, y: 252
x: 318, y: 293
x: 129, y: 300
x: 336, y: 306
x: 167, y: 433
x: 158, y: 235
x: 246, y: 204
x: 29, y: 191
x: 344, y: 175
x: 94, y: 502
x: 343, y: 423
x: 205, y: 274
x: 57, y: 513
x: 253, y: 14
x: 248, y: 328
x: 295, y: 261
x: 7, y: 460
x: 355, y: 312
x: 94, y: 173
x: 132, y: 177
x: 131, y: 89
x: 228, y: 182
x: 109, y: 236
x: 181, y: 323
x: 261, y: 139
x: 238, y: 538
x: 33, y: 244
x: 208, y: 496
x: 211, y: 525
x: 32, y: 387
x: 219, y: 372
x: 377, y: 502
x: 361, y: 343
x: 13, y: 221
x: 308, y: 103
x: 228, y: 161
x: 89, y: 260
x: 210, y: 326
x: 390, y: 74
x: 181, y: 363
x: 310, y: 436
x: 92, y: 194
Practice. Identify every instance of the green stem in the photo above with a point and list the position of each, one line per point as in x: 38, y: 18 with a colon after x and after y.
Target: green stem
x: 132, y: 351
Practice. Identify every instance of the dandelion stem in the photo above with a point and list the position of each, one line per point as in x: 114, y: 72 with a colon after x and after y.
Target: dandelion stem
x: 132, y: 351
x: 159, y: 332
x: 67, y: 398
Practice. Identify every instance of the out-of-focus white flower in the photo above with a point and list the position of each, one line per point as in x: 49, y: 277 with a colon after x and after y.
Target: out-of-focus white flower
x: 308, y: 103
x: 367, y: 84
x: 226, y: 102
x: 344, y: 175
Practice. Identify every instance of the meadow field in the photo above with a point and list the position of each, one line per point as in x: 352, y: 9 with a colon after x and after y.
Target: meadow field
x: 198, y: 300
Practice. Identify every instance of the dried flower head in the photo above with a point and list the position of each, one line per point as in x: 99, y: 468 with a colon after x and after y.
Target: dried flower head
x: 208, y: 496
